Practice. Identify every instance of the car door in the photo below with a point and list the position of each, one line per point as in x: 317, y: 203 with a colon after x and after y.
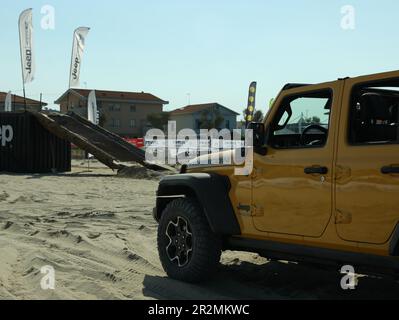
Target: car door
x: 292, y: 184
x: 367, y: 164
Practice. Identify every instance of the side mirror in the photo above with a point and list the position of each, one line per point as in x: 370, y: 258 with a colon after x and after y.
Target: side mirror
x: 259, y: 132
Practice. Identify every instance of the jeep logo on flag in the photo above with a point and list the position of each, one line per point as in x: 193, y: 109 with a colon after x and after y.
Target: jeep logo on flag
x: 75, y: 69
x: 6, y: 135
x: 28, y: 61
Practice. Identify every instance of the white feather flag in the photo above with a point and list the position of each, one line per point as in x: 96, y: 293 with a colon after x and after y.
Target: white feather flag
x: 26, y: 44
x: 92, y: 108
x: 79, y: 40
x: 8, y: 103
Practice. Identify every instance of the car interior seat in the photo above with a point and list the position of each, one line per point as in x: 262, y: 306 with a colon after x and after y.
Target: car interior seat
x: 375, y: 119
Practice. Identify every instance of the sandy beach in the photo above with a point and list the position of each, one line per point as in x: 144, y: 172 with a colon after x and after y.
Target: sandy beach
x: 96, y: 230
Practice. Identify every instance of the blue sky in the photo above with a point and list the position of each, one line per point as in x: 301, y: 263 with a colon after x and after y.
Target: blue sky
x: 210, y: 49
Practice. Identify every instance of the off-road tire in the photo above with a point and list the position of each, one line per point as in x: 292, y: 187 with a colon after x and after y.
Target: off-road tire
x: 206, y: 246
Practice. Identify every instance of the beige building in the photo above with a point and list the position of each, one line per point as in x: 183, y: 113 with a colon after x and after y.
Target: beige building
x: 124, y: 113
x: 18, y: 103
x: 192, y: 116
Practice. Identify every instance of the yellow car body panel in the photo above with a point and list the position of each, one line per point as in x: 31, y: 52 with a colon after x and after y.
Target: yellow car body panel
x: 353, y: 207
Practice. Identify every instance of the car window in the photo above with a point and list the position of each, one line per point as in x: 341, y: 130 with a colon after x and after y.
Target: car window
x: 374, y: 116
x: 303, y: 115
x: 306, y: 111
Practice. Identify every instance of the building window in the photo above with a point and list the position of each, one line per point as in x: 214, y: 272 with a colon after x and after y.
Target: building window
x: 227, y: 124
x: 132, y: 123
x: 133, y: 108
x: 115, y: 107
x: 115, y: 123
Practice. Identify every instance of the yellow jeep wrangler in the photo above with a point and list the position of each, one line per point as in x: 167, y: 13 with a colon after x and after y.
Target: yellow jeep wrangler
x: 324, y: 187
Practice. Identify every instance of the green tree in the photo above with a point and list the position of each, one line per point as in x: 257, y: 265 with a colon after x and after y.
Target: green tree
x: 102, y: 119
x: 313, y: 120
x: 211, y: 119
x: 258, y: 116
x: 158, y: 120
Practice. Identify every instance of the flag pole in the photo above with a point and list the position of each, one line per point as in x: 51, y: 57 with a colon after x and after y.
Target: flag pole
x: 22, y: 64
x: 70, y: 69
x: 69, y: 83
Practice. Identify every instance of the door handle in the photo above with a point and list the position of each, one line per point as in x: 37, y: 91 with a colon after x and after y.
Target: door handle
x: 316, y: 170
x: 390, y: 170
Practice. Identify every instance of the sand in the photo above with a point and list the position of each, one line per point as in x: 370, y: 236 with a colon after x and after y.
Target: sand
x: 96, y: 230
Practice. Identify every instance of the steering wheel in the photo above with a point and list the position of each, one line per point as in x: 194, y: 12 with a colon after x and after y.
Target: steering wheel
x: 312, y: 127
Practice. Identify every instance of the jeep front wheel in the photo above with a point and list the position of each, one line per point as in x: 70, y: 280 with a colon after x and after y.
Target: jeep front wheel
x: 188, y: 249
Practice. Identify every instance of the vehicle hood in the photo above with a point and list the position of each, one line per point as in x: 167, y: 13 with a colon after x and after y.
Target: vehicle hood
x: 205, y: 161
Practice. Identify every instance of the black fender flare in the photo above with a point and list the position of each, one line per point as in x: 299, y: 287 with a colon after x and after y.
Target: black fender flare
x: 212, y: 193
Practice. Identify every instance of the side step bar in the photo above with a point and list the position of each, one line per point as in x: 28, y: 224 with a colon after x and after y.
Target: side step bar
x: 302, y: 253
